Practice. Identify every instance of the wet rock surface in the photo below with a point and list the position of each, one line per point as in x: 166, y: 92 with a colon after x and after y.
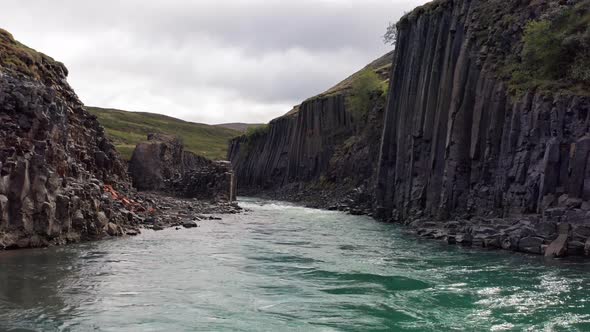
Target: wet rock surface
x: 526, y: 234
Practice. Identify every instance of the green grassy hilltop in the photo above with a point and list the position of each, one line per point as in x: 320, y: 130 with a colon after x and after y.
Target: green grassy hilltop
x: 126, y: 129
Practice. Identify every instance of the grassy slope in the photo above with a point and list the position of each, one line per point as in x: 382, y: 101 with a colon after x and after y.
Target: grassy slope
x: 239, y: 126
x: 126, y: 129
x: 381, y: 67
x: 19, y: 60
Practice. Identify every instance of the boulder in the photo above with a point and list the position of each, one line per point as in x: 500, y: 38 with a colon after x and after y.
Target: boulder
x: 531, y: 244
x: 101, y: 220
x: 559, y: 247
x: 190, y: 224
x: 464, y: 239
x: 451, y: 239
x: 581, y: 232
x: 492, y: 242
x: 3, y: 210
x: 113, y: 229
x: 546, y: 229
x: 132, y: 232
x: 575, y: 248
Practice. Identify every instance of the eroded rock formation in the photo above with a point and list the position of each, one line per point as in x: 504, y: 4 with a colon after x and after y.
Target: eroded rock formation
x: 162, y: 164
x: 54, y: 156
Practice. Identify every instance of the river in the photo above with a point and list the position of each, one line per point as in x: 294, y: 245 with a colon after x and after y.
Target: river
x: 281, y: 267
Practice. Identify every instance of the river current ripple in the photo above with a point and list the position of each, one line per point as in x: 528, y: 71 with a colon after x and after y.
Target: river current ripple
x: 281, y: 267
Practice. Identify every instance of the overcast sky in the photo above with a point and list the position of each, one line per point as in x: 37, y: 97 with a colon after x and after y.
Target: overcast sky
x: 208, y: 61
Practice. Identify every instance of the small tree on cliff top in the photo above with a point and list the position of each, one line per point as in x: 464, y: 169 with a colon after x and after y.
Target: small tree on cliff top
x: 390, y: 36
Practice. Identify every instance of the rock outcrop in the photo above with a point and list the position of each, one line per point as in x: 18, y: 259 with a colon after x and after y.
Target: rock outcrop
x: 54, y: 157
x: 162, y: 164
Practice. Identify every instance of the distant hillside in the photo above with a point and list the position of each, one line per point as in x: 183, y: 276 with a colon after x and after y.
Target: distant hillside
x: 241, y: 127
x: 126, y: 129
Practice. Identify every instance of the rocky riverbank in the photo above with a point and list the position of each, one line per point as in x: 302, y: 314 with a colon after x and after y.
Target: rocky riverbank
x: 61, y: 178
x: 561, y: 232
x: 176, y: 212
x: 528, y: 234
x: 335, y: 197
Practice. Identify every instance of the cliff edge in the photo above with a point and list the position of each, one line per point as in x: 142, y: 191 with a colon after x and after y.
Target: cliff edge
x: 54, y: 157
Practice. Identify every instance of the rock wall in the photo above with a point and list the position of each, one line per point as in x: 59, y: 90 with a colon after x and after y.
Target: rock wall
x: 212, y: 181
x: 318, y: 153
x: 319, y: 156
x: 456, y: 143
x: 162, y: 164
x: 461, y: 157
x: 54, y: 156
x: 159, y: 160
x: 297, y: 147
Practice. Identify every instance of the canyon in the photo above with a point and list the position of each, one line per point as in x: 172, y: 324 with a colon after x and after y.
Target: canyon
x: 318, y: 153
x: 439, y: 135
x: 455, y: 152
x: 381, y: 204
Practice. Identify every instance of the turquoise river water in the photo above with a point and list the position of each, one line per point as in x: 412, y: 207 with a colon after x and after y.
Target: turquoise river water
x: 281, y: 267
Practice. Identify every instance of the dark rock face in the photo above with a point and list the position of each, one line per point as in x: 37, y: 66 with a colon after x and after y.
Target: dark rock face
x: 161, y: 164
x: 455, y: 143
x: 160, y: 159
x: 318, y: 155
x: 457, y: 149
x: 214, y: 180
x: 297, y: 147
x: 54, y: 160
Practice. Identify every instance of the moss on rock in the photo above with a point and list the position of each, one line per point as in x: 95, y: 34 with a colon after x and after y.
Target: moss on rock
x: 22, y: 61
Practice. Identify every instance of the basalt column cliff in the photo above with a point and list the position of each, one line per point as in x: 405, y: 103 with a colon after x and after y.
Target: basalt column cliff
x: 54, y: 156
x: 485, y: 138
x: 456, y: 142
x: 321, y: 153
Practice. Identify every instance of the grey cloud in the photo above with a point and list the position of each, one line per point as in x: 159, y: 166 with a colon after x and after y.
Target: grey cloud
x: 209, y: 61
